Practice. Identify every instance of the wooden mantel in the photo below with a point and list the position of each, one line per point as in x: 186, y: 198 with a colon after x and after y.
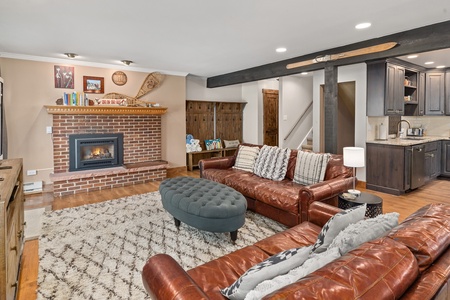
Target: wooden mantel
x: 103, y: 110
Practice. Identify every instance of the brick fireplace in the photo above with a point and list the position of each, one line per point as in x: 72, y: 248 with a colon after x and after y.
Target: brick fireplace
x: 141, y: 129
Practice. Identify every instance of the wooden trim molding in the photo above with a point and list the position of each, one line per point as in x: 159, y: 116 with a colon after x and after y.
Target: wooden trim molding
x: 103, y: 110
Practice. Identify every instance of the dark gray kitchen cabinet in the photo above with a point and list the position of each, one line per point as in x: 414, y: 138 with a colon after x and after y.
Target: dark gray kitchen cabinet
x: 447, y: 92
x: 395, y: 88
x: 435, y: 93
x: 432, y: 160
x: 445, y: 170
x: 385, y: 89
x: 388, y: 168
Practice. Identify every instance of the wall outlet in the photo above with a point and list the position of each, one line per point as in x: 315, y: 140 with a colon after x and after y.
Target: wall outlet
x: 31, y: 172
x: 48, y: 129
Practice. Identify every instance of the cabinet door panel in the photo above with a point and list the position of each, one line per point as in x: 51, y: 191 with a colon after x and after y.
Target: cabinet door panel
x: 445, y: 158
x: 447, y: 93
x: 434, y: 94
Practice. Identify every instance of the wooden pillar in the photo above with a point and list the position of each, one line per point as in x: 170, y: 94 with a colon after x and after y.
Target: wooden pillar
x: 331, y: 109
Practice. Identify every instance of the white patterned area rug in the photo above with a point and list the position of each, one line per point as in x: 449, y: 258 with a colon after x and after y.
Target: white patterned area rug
x: 97, y: 251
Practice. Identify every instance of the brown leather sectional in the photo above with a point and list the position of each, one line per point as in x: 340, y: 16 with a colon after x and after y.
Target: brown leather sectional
x: 284, y: 201
x: 411, y: 262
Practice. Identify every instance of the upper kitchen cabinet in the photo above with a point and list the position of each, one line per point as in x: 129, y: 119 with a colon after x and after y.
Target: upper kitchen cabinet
x: 393, y: 88
x: 447, y: 92
x: 434, y: 93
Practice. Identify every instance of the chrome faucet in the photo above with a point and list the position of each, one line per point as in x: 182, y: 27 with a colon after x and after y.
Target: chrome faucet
x: 399, y: 126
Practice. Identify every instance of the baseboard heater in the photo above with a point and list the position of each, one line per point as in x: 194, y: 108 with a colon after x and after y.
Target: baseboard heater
x: 32, y: 187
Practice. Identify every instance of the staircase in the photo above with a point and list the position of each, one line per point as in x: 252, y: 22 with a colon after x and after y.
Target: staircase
x: 309, y: 144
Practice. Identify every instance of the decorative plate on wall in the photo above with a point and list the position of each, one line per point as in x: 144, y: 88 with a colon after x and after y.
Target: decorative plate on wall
x: 119, y: 78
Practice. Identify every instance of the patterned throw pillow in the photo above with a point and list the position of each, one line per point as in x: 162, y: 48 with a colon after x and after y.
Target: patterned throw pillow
x: 245, y: 158
x: 275, y: 265
x: 231, y: 143
x: 310, y: 167
x: 336, y: 224
x: 272, y: 162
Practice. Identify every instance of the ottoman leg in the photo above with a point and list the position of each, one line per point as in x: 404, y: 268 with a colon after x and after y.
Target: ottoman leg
x: 233, y: 235
x: 177, y: 223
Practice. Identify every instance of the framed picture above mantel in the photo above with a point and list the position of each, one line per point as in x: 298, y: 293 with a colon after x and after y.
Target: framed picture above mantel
x: 93, y: 85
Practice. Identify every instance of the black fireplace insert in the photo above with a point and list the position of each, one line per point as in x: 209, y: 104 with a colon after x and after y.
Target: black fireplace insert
x: 95, y: 151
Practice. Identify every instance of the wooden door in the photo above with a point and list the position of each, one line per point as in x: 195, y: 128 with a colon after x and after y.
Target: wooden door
x: 270, y: 117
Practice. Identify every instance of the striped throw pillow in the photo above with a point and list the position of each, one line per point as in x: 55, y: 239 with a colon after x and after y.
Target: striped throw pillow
x: 310, y: 167
x: 245, y: 158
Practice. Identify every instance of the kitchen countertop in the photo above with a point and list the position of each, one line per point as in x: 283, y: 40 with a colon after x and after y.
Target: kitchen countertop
x: 410, y: 141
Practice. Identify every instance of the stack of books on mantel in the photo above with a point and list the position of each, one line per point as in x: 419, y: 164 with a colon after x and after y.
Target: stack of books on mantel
x: 75, y: 99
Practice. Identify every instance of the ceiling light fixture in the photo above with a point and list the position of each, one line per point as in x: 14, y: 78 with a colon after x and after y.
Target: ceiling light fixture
x: 429, y: 62
x: 440, y: 67
x: 281, y: 50
x: 304, y: 73
x: 363, y: 25
x: 412, y: 56
x: 127, y: 62
x: 71, y: 55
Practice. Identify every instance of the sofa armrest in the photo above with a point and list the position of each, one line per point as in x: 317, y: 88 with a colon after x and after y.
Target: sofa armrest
x: 319, y: 212
x: 216, y: 163
x: 165, y: 279
x: 322, y: 191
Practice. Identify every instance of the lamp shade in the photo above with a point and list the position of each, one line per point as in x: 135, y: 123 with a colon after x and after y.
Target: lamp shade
x: 353, y: 157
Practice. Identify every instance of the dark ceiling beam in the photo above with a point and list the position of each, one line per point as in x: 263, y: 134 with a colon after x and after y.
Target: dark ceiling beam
x: 428, y: 38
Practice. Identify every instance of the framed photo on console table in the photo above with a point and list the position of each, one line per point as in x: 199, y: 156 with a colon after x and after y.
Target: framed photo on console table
x: 93, y: 85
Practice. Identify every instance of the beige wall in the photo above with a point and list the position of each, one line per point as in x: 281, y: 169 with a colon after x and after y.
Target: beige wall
x: 29, y: 86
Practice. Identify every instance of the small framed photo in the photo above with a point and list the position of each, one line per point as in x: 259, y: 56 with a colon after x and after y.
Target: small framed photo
x: 93, y: 85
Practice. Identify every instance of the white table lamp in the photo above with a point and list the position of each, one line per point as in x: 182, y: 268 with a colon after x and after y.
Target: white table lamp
x: 354, y: 158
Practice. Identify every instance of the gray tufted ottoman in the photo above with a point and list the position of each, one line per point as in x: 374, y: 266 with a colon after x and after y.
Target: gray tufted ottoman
x: 204, y: 204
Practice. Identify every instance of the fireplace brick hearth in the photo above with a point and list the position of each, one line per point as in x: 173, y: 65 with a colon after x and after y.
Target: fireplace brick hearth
x: 141, y: 152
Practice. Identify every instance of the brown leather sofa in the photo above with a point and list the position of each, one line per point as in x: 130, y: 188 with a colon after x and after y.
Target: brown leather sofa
x: 284, y: 201
x: 411, y: 262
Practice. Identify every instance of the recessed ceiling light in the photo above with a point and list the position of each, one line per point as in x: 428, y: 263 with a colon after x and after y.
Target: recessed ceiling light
x: 363, y: 25
x: 304, y: 73
x: 70, y: 55
x: 412, y: 56
x: 281, y: 50
x: 440, y: 67
x: 429, y: 62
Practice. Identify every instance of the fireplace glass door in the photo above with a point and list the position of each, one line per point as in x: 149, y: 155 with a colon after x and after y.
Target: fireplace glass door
x: 94, y: 151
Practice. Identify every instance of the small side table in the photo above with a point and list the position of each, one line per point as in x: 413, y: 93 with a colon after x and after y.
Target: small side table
x: 374, y: 203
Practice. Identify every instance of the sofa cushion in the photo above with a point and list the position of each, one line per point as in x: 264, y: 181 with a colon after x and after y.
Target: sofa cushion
x: 244, y: 182
x: 364, y: 231
x: 336, y: 224
x: 425, y: 233
x: 379, y: 269
x: 272, y: 162
x: 277, y: 264
x: 310, y: 167
x: 313, y: 263
x: 245, y: 158
x: 280, y: 194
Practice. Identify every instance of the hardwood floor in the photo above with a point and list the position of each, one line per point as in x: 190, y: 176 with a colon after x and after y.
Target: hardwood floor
x: 433, y: 192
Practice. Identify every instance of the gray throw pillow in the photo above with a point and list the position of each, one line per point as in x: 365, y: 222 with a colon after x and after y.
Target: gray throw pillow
x: 363, y: 231
x: 273, y: 266
x: 336, y: 224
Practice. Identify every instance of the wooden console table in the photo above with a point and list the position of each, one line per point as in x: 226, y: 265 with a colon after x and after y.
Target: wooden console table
x: 194, y: 157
